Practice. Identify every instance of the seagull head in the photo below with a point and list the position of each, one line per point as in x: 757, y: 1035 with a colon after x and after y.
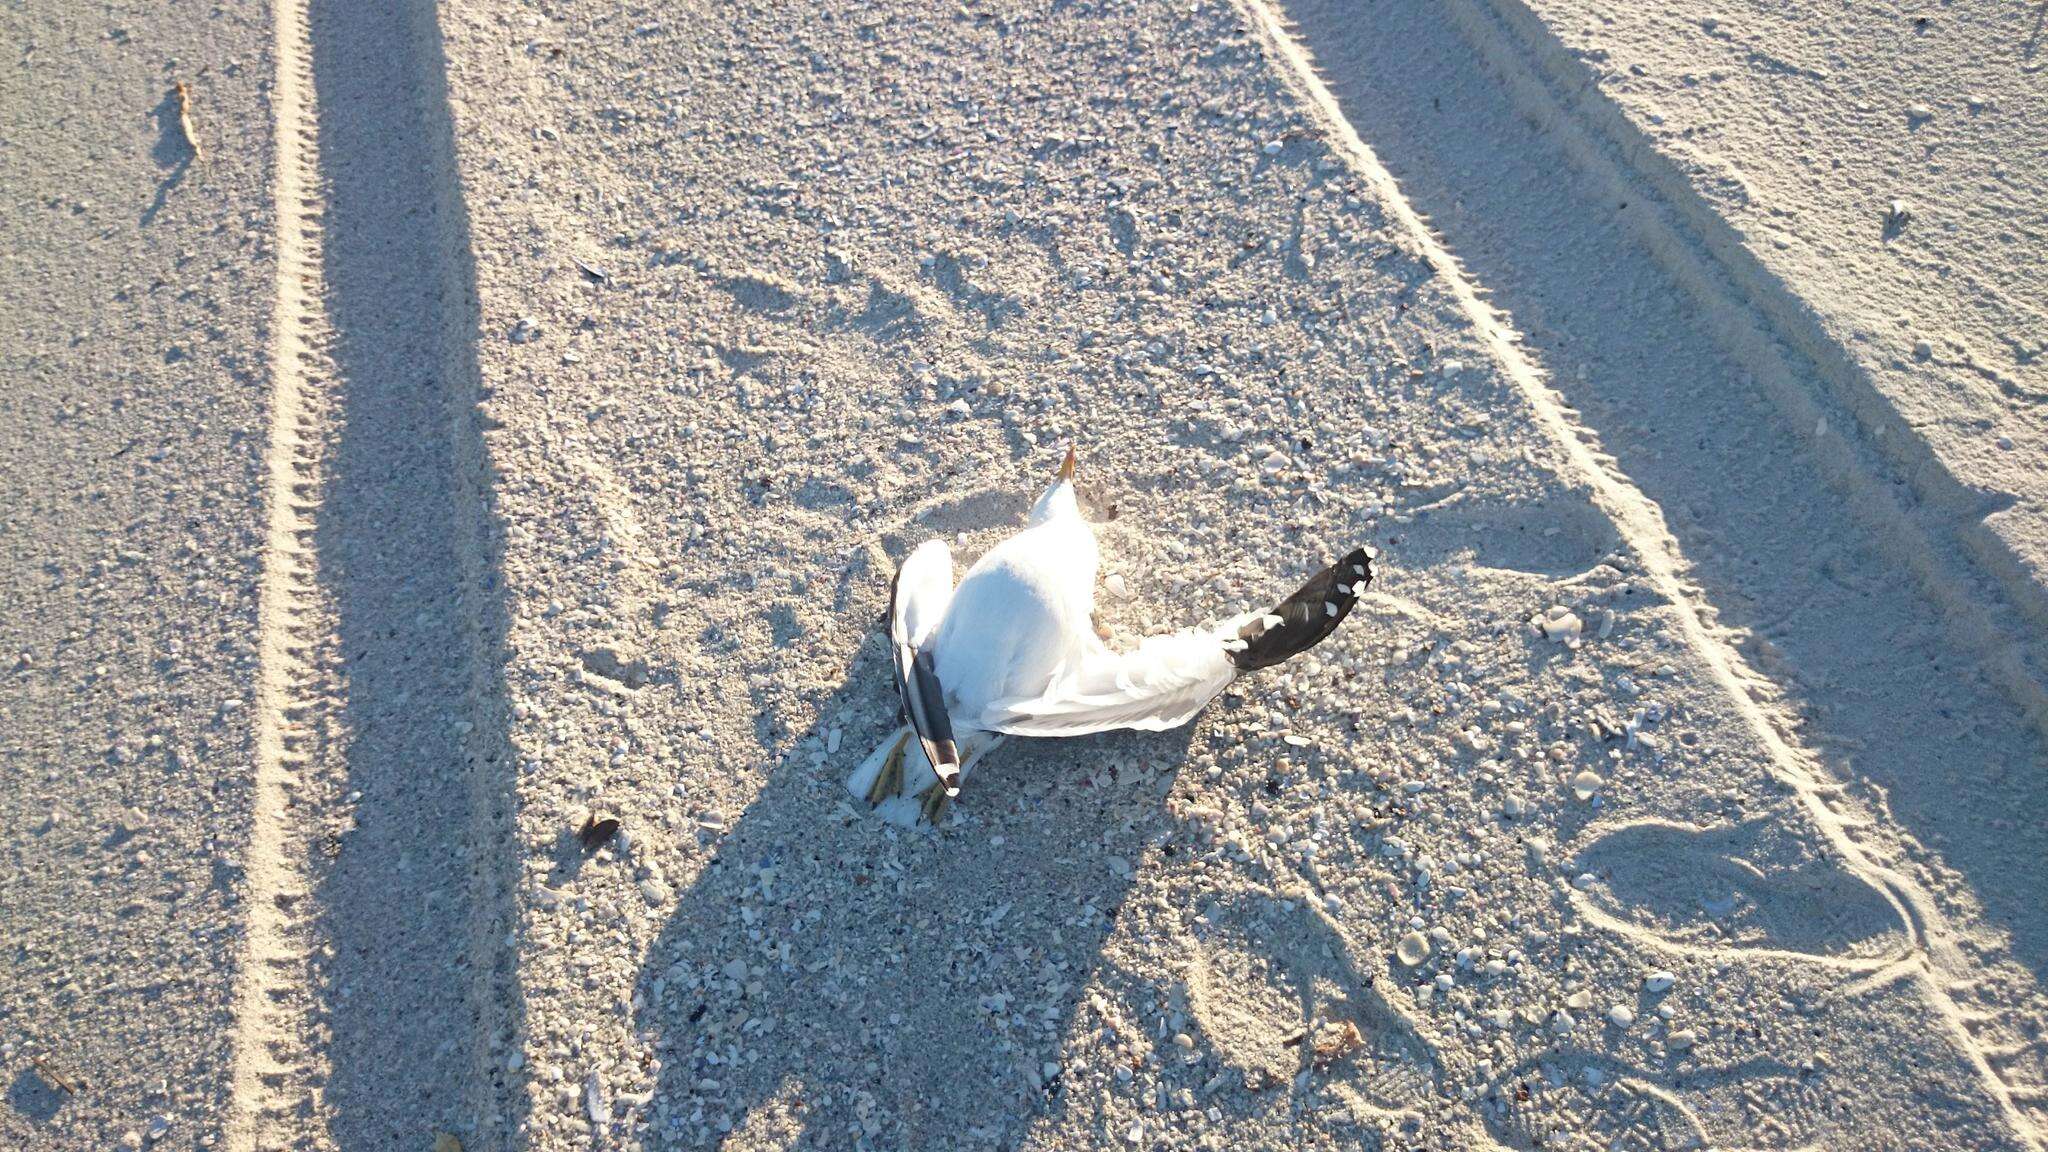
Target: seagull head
x: 1058, y: 498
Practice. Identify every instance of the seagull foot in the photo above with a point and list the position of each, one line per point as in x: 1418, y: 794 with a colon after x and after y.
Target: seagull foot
x: 936, y: 802
x: 889, y: 781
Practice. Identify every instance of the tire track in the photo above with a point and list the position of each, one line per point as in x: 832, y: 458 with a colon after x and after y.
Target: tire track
x: 1937, y: 955
x: 376, y: 1005
x: 1975, y: 567
x: 278, y: 1063
x: 1756, y: 317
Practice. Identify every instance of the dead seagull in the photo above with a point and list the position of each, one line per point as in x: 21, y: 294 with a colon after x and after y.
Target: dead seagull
x: 1013, y: 651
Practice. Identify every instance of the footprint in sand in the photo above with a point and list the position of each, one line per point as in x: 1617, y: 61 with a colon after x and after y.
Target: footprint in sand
x: 969, y: 510
x: 1558, y: 539
x: 1529, y: 1110
x: 1751, y: 887
x: 1279, y: 991
x: 1555, y: 1096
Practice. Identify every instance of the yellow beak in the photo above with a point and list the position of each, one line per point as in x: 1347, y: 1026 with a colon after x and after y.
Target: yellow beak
x: 1067, y: 468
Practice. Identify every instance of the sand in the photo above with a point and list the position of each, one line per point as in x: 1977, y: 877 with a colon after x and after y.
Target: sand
x: 572, y: 380
x: 133, y: 283
x: 1788, y: 142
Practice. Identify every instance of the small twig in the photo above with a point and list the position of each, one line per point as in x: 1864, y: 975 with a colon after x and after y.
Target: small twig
x: 185, y: 122
x: 53, y: 1077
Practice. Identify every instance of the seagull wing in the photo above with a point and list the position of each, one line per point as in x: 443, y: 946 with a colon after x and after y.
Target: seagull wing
x: 918, y: 600
x: 1166, y: 679
x: 1160, y: 684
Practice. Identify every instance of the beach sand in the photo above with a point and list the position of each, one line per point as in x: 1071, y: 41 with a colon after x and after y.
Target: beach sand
x: 581, y: 374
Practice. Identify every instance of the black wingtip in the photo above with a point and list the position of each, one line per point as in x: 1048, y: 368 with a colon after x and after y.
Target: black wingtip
x: 1312, y: 613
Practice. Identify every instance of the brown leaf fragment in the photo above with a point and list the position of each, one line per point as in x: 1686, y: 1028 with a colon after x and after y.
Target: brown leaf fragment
x: 185, y: 122
x: 1335, y: 1042
x: 597, y: 831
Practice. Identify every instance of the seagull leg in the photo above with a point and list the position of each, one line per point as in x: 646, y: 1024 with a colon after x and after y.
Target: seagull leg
x: 889, y: 781
x: 936, y: 801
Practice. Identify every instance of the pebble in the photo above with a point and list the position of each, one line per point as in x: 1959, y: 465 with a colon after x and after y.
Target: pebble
x: 1273, y: 147
x: 1586, y: 784
x: 1923, y: 349
x: 1413, y: 949
x: 526, y: 331
x: 1659, y: 982
x: 1621, y: 1016
x: 1560, y: 624
x: 1681, y: 1040
x: 131, y: 1139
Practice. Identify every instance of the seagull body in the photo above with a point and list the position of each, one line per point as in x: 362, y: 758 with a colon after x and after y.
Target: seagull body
x: 1020, y: 615
x: 1012, y: 650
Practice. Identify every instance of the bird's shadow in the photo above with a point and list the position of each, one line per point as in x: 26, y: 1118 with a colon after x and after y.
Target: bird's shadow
x: 826, y: 974
x: 171, y: 152
x: 31, y: 1095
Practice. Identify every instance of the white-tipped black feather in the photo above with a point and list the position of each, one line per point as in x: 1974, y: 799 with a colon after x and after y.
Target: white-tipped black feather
x: 1305, y: 618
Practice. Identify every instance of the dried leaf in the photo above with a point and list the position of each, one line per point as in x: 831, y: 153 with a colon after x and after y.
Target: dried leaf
x: 185, y: 121
x: 597, y: 832
x: 1336, y: 1042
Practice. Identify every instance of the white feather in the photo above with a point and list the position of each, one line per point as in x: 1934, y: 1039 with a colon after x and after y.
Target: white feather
x: 1160, y: 684
x: 924, y: 587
